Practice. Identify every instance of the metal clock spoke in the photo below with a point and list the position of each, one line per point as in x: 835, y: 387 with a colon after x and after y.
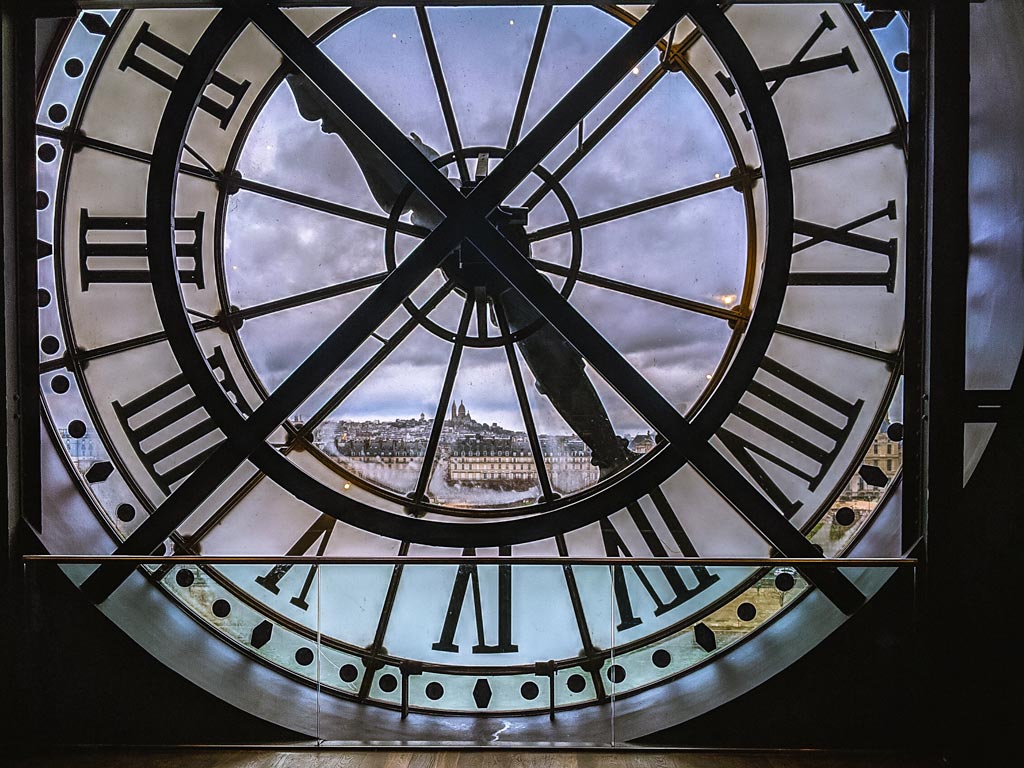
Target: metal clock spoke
x: 443, y: 97
x: 237, y: 315
x: 709, y: 310
x: 77, y: 139
x: 82, y: 356
x: 647, y: 204
x: 524, y: 403
x: 443, y: 400
x: 891, y: 139
x: 528, y: 77
x: 590, y: 142
x: 383, y: 621
x: 326, y: 206
x: 378, y: 357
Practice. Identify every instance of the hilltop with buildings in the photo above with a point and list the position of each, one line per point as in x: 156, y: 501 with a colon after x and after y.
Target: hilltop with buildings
x: 470, y: 455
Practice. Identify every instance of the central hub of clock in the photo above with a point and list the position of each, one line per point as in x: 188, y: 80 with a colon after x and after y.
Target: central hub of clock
x: 470, y: 270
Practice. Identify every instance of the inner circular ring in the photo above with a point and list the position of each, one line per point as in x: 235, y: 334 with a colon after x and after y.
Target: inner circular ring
x: 575, y: 260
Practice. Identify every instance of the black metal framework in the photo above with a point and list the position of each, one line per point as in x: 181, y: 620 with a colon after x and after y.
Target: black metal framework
x: 462, y: 219
x: 394, y: 286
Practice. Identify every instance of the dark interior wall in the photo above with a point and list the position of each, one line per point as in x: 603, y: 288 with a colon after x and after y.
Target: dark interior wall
x: 88, y: 683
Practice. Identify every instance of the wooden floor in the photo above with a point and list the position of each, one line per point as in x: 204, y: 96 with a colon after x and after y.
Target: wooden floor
x: 253, y: 758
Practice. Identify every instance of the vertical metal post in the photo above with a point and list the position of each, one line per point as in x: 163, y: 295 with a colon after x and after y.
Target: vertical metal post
x: 914, y: 384
x: 947, y: 245
x: 21, y: 321
x: 940, y: 49
x: 20, y: 334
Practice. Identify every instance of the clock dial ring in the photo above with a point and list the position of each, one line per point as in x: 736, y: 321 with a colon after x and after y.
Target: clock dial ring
x: 652, y: 635
x: 569, y: 515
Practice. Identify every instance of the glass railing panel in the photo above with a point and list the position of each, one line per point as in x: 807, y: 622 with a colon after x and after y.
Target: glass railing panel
x: 466, y: 653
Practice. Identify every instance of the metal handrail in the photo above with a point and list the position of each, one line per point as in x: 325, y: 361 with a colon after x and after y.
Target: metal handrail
x: 755, y: 562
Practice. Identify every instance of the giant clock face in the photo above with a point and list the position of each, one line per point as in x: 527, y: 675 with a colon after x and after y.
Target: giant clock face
x: 456, y: 282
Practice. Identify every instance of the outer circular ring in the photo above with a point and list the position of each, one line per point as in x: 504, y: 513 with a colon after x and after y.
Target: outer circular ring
x: 550, y: 519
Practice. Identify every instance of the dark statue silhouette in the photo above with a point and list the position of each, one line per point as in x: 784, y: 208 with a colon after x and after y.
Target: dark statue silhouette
x: 557, y: 367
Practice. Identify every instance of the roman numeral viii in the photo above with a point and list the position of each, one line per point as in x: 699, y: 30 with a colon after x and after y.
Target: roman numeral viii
x: 809, y: 440
x: 168, y: 428
x: 113, y: 249
x: 147, y: 47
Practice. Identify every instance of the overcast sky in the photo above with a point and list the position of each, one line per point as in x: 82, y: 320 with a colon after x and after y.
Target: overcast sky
x: 670, y: 140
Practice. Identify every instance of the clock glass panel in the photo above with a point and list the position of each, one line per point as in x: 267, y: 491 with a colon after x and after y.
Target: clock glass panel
x: 504, y: 283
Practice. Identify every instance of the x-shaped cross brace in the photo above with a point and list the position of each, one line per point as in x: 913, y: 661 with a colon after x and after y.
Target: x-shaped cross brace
x: 466, y: 217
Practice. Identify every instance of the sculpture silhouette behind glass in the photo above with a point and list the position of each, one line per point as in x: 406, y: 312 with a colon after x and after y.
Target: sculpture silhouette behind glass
x: 559, y: 370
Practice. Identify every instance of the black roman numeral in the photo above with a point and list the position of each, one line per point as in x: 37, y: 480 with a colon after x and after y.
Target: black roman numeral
x: 158, y: 47
x: 321, y: 531
x: 844, y: 235
x: 168, y: 428
x: 832, y: 431
x: 615, y: 546
x: 122, y: 239
x: 466, y: 578
x: 799, y: 65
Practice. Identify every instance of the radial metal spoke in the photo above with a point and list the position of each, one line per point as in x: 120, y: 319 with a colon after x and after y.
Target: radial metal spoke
x: 443, y: 401
x: 441, y: 85
x: 85, y: 355
x: 643, y: 293
x: 382, y: 624
x: 640, y: 206
x: 892, y: 139
x: 595, y: 137
x: 223, y: 511
x: 326, y: 206
x: 480, y: 296
x: 302, y: 299
x: 889, y: 358
x: 531, y: 73
x: 579, y: 101
x: 389, y: 346
x: 524, y: 403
